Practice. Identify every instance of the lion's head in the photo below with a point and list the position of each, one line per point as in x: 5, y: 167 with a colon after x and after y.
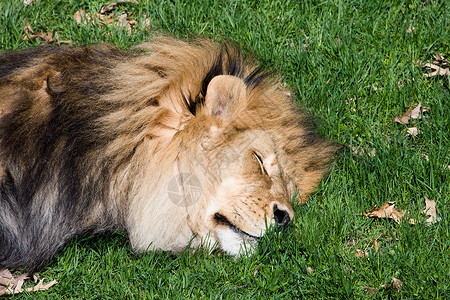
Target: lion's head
x: 242, y: 186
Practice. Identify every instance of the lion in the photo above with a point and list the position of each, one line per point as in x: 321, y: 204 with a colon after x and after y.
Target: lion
x: 175, y: 143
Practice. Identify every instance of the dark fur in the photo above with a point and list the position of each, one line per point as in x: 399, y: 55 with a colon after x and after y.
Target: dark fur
x: 31, y: 157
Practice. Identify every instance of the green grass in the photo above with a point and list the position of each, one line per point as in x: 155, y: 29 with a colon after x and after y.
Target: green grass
x: 351, y: 47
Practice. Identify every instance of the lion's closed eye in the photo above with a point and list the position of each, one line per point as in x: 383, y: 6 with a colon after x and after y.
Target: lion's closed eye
x: 261, y: 164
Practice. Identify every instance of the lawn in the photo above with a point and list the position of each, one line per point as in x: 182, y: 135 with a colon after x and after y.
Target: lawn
x: 355, y: 66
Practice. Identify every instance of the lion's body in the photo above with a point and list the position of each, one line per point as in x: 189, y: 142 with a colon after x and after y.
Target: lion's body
x: 94, y: 139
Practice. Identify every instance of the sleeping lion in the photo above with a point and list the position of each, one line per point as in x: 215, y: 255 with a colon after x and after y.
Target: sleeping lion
x: 176, y: 143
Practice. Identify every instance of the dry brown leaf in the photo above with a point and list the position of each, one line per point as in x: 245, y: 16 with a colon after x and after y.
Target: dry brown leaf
x: 402, y: 119
x: 84, y: 18
x: 146, y: 23
x: 430, y: 210
x: 108, y: 8
x: 65, y: 42
x: 361, y: 253
x: 256, y: 270
x: 444, y: 166
x: 436, y: 70
x: 123, y: 22
x: 18, y: 283
x: 78, y: 15
x: 359, y: 151
x: 376, y: 245
x: 412, y: 131
x: 439, y: 67
x: 28, y: 29
x: 387, y: 211
x: 370, y: 290
x: 410, y: 28
x: 41, y: 286
x: 5, y: 277
x: 416, y: 113
x: 10, y: 285
x: 46, y: 37
x: 28, y: 2
x: 112, y: 6
x: 397, y: 284
x: 108, y: 16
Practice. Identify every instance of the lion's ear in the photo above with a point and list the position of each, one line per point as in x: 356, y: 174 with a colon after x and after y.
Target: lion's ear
x: 226, y: 96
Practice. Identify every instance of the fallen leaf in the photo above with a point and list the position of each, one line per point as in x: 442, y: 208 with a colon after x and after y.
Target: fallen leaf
x: 78, y: 15
x: 359, y: 151
x: 397, y: 284
x: 41, y: 286
x: 112, y: 6
x: 436, y: 70
x: 18, y: 283
x: 64, y: 42
x: 146, y: 22
x: 28, y: 2
x: 108, y: 8
x: 376, y: 245
x: 107, y: 16
x: 410, y: 28
x: 256, y: 270
x: 28, y: 29
x: 46, y: 37
x: 387, y: 211
x: 444, y: 166
x: 370, y: 290
x: 430, y: 210
x: 10, y: 285
x: 123, y: 22
x: 416, y: 113
x: 439, y: 67
x: 360, y: 253
x: 412, y: 131
x: 5, y: 277
x: 84, y: 18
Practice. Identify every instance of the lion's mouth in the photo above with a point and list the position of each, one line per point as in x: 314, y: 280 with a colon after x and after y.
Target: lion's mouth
x: 220, y: 219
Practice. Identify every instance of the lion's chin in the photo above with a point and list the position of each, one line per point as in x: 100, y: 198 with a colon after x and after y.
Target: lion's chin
x: 233, y: 240
x: 236, y: 244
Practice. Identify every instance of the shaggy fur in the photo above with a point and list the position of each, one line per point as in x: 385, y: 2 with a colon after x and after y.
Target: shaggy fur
x: 176, y: 143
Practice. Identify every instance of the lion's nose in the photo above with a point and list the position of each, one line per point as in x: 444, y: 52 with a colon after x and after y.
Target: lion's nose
x: 281, y: 216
